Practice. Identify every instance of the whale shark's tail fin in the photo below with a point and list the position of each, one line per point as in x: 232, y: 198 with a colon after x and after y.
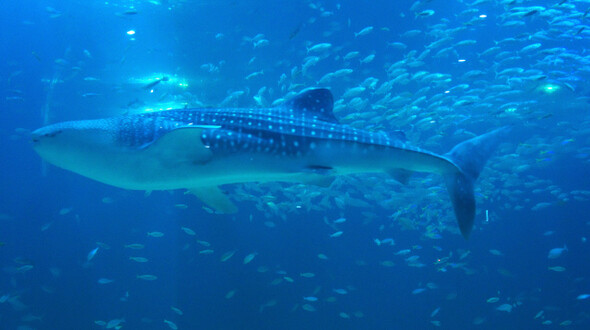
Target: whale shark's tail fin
x: 470, y: 157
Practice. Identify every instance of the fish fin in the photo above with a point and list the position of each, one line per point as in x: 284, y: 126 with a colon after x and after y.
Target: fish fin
x: 214, y: 198
x: 400, y: 175
x: 182, y: 145
x: 319, y: 169
x: 460, y: 189
x: 316, y: 102
x: 318, y: 175
x: 470, y: 157
x: 320, y: 180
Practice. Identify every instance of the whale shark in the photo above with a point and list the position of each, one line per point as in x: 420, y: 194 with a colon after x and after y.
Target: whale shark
x: 299, y: 141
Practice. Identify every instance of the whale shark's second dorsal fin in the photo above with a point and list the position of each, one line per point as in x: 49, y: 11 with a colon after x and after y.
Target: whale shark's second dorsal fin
x: 316, y: 102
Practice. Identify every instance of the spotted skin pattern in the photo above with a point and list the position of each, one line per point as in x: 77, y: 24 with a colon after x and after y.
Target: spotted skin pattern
x: 289, y: 130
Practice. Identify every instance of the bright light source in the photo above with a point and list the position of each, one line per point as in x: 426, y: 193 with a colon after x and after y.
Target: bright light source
x: 483, y: 16
x: 462, y: 60
x: 131, y: 32
x: 550, y: 88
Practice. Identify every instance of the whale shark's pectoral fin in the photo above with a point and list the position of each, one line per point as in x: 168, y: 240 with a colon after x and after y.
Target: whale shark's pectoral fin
x: 400, y: 175
x: 214, y: 198
x: 319, y: 180
x: 182, y: 145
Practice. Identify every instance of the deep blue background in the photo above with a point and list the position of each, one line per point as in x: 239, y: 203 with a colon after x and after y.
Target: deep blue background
x: 177, y: 38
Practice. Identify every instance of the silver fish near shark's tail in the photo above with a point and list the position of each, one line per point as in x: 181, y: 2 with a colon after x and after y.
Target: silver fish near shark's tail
x: 470, y: 157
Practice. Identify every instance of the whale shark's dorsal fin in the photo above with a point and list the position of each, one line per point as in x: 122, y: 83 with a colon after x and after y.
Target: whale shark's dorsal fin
x: 317, y: 102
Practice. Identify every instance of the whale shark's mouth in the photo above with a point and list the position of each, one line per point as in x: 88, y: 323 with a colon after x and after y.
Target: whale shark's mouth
x: 44, y: 132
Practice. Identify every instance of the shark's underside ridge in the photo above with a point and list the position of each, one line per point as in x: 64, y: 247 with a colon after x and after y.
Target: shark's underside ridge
x: 300, y: 141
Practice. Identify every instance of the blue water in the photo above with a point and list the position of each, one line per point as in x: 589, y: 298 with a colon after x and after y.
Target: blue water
x: 68, y: 60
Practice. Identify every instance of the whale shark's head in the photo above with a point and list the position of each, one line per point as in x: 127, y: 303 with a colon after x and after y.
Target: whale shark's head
x: 83, y: 147
x: 127, y: 152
